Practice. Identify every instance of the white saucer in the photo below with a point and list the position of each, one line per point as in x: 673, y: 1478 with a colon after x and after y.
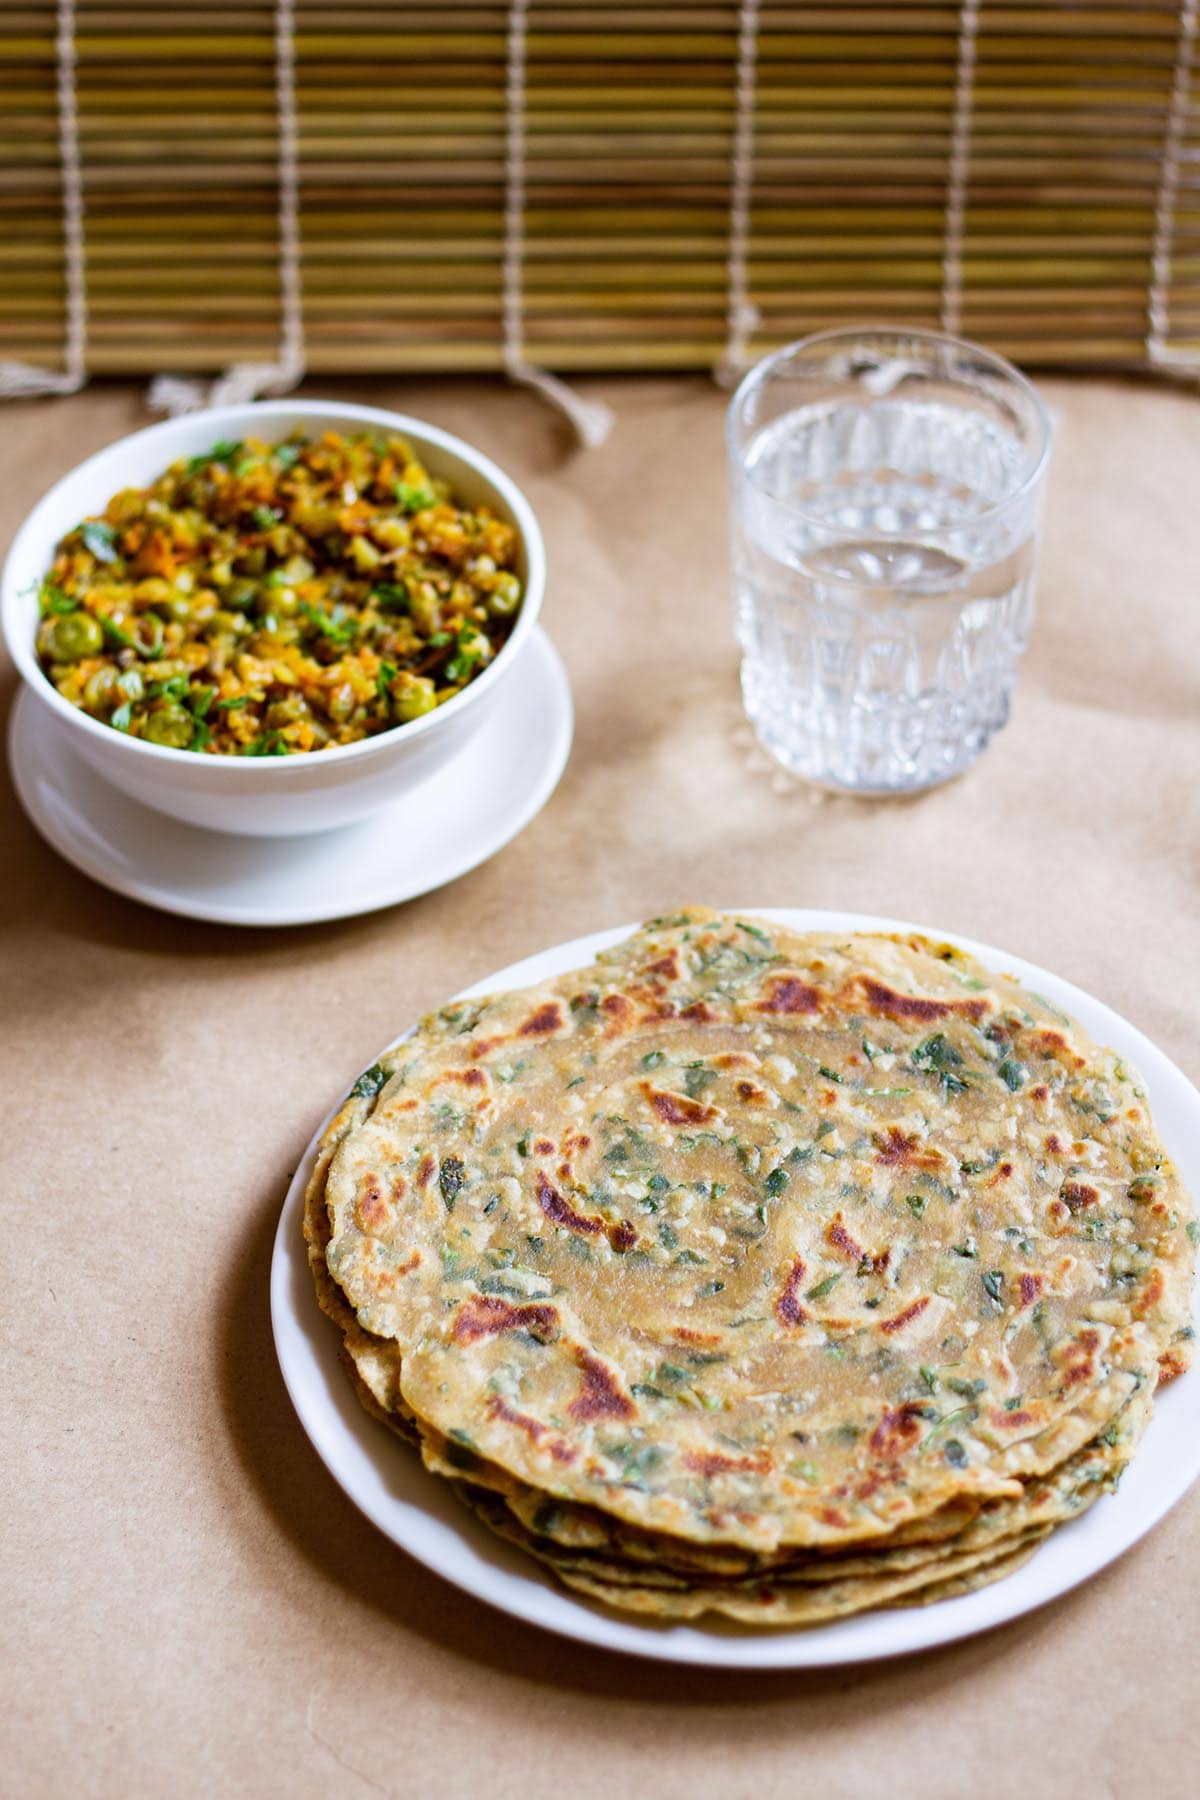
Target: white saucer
x: 421, y: 1514
x: 462, y: 815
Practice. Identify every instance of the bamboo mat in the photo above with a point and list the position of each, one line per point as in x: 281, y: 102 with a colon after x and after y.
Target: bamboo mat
x: 1066, y: 229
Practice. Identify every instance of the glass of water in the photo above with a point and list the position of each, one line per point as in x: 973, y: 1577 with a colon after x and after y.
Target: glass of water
x: 886, y: 491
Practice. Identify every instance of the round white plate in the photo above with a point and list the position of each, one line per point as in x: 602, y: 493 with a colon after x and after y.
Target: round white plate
x: 420, y: 1513
x: 459, y: 817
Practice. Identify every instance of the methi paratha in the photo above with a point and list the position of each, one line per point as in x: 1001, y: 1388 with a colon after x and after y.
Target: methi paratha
x: 745, y: 1245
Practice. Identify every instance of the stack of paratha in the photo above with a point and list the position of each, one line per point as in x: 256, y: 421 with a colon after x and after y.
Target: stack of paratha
x: 756, y: 1273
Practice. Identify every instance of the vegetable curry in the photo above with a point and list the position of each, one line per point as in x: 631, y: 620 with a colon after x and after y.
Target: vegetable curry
x: 269, y: 599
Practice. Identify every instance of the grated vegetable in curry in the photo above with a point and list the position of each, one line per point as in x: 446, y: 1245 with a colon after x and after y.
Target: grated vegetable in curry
x: 269, y: 599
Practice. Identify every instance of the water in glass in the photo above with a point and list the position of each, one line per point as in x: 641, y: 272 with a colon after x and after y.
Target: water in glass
x: 884, y: 592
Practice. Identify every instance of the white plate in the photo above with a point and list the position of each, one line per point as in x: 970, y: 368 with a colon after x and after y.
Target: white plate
x: 420, y: 1513
x: 459, y: 817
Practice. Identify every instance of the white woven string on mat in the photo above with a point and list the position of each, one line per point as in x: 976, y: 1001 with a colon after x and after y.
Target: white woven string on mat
x: 959, y: 168
x: 1158, y: 304
x: 741, y: 316
x: 173, y: 394
x: 592, y: 420
x: 18, y: 379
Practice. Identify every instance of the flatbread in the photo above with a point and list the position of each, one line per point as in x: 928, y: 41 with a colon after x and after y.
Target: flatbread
x: 759, y: 1239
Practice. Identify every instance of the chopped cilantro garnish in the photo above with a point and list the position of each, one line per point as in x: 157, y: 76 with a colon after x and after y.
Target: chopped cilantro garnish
x: 223, y: 452
x: 53, y: 600
x: 100, y: 538
x: 414, y: 497
x: 451, y: 1176
x: 370, y: 1081
x: 270, y: 743
x: 823, y: 1288
x: 393, y: 596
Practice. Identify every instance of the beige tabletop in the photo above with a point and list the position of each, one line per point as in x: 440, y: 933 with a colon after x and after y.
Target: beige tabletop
x: 190, y: 1604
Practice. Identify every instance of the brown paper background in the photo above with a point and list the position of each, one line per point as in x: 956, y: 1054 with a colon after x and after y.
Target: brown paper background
x: 190, y: 1606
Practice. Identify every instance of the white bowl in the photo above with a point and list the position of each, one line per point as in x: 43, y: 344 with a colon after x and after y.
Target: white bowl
x: 265, y: 796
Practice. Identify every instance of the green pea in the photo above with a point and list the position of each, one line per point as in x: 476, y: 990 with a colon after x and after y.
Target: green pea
x: 415, y: 699
x: 174, y: 606
x: 100, y: 692
x: 505, y: 597
x: 170, y: 725
x: 75, y: 635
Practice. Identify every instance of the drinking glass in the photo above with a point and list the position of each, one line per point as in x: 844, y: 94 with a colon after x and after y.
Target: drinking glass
x: 886, y: 500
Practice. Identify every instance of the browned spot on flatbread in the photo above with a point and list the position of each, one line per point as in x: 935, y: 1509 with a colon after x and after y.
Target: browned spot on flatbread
x: 684, y: 1334
x: 600, y: 1396
x: 1079, y: 1360
x: 389, y: 1279
x: 899, y: 1320
x: 715, y: 1462
x: 885, y: 1000
x: 1078, y: 1195
x: 534, y: 1429
x: 484, y: 1315
x: 425, y: 1169
x: 559, y: 1211
x: 464, y: 1077
x: 677, y: 1109
x: 1031, y: 1286
x: 1151, y: 1295
x: 751, y: 1093
x: 1009, y: 1421
x: 484, y: 1046
x: 371, y: 1211
x: 898, y: 1430
x: 1170, y: 1364
x: 699, y: 1012
x: 788, y: 1309
x: 839, y: 1238
x: 789, y: 994
x: 899, y: 1149
x: 667, y: 967
x: 546, y: 1019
